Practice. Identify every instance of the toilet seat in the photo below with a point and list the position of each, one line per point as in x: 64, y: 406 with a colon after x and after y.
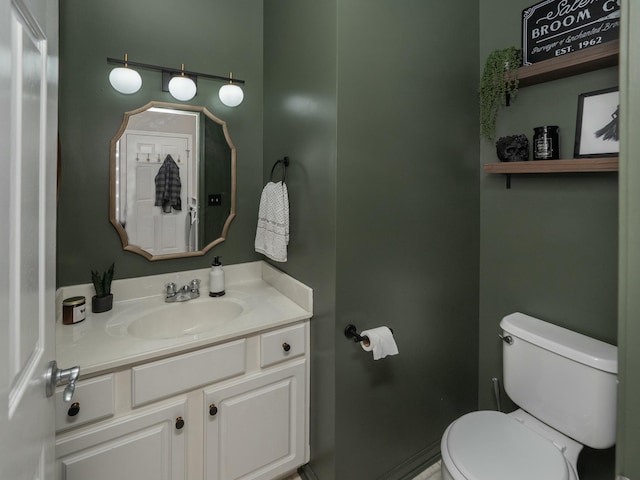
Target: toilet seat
x: 490, y: 445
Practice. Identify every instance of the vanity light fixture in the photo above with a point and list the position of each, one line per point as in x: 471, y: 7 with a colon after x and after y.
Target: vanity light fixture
x: 124, y: 79
x: 231, y: 95
x: 182, y: 84
x: 182, y: 88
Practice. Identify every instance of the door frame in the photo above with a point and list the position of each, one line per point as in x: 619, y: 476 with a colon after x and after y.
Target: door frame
x: 628, y: 441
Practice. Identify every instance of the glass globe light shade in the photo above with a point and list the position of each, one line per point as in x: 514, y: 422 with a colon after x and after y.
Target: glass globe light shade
x: 182, y: 88
x: 231, y: 95
x: 125, y: 80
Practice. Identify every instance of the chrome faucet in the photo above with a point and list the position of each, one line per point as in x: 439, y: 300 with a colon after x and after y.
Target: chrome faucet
x: 184, y: 293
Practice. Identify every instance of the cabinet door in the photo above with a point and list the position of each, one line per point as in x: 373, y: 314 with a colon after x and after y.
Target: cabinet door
x: 255, y: 429
x: 145, y: 446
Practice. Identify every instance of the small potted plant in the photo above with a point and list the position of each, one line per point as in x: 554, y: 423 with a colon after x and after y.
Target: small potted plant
x: 103, y: 299
x: 498, y: 85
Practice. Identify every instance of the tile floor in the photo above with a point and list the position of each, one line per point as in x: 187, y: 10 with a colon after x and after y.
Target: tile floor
x: 431, y: 473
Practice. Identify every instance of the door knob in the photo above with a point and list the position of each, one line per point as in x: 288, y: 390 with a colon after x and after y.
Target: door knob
x: 286, y: 347
x: 213, y: 409
x: 56, y: 376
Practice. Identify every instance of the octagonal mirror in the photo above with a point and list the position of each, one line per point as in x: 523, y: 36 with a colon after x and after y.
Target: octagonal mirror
x: 173, y: 181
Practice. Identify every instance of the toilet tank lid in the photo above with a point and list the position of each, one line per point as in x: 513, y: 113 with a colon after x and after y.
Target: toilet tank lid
x: 569, y: 344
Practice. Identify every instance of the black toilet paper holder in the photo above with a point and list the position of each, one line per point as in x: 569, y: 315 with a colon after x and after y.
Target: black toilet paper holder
x: 350, y: 331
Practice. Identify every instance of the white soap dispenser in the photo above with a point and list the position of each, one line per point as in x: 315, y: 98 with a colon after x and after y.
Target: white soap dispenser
x: 216, y: 279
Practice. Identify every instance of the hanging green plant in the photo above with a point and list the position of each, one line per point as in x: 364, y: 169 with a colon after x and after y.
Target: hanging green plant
x: 498, y: 83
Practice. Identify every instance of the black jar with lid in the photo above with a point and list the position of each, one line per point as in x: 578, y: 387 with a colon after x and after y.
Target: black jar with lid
x: 545, y: 143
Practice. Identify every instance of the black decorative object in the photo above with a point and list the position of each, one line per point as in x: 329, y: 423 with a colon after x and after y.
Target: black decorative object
x: 514, y: 148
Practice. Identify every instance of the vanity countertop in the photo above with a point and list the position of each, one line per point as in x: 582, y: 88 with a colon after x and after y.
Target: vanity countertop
x: 269, y: 299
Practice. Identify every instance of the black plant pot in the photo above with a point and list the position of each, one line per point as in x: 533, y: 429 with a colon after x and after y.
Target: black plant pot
x: 101, y: 304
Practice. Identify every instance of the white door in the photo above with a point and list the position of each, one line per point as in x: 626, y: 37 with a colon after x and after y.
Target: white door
x: 148, y: 226
x: 28, y: 126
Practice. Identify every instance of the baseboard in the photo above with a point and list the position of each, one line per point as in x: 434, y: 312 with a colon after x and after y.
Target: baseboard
x: 307, y: 473
x: 407, y: 470
x: 416, y: 464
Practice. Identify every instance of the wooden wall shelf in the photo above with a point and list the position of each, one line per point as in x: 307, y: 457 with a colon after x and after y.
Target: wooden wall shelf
x: 587, y: 60
x: 574, y: 165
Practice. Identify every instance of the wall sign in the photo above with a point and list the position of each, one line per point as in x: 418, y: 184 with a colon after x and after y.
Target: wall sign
x: 553, y: 28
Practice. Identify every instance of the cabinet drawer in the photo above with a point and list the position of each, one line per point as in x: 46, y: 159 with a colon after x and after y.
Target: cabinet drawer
x: 282, y: 345
x: 167, y: 377
x: 94, y: 399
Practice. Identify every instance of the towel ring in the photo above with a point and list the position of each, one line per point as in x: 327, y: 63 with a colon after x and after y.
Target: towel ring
x: 285, y: 164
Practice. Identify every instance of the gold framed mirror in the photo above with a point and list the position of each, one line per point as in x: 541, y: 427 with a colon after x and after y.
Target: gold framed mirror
x: 172, y: 181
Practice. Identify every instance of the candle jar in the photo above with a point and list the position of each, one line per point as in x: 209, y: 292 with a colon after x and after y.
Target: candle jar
x: 545, y: 143
x: 73, y: 310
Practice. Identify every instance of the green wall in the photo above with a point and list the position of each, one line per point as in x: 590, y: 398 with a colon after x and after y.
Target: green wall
x: 351, y: 91
x: 548, y: 244
x: 210, y: 36
x: 407, y: 227
x: 300, y: 122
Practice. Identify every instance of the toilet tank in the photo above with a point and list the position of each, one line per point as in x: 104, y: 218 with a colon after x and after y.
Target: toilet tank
x: 563, y: 378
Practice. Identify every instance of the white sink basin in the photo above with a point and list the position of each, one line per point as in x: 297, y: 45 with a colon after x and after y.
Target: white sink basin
x: 173, y: 320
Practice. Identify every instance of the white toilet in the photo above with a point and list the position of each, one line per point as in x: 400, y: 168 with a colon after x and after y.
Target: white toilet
x: 565, y: 384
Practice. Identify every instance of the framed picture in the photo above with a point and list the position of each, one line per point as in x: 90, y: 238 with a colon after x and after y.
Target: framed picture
x: 597, y: 124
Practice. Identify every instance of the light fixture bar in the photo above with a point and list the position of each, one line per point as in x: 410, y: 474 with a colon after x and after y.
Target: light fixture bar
x: 172, y: 70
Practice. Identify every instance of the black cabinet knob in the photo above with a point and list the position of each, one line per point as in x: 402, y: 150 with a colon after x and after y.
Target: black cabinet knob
x: 74, y: 409
x: 213, y: 409
x: 179, y: 423
x: 286, y: 347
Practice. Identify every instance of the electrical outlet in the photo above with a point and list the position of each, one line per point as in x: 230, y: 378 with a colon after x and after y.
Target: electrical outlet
x: 215, y: 200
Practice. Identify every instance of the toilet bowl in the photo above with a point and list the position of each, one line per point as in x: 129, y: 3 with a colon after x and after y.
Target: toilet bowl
x: 565, y: 384
x: 488, y: 445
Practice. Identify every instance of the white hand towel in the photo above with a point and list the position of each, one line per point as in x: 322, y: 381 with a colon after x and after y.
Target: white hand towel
x: 272, y: 234
x: 381, y: 342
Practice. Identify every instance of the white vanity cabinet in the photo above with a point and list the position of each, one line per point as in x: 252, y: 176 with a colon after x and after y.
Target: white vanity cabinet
x: 237, y: 410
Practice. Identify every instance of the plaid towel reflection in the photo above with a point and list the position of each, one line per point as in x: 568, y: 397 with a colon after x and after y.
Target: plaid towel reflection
x: 168, y: 186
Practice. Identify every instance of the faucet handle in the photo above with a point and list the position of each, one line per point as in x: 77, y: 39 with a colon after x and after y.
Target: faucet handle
x: 195, y: 285
x: 171, y: 289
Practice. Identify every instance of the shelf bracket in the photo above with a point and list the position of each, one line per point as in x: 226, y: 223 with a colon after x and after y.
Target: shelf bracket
x: 508, y: 176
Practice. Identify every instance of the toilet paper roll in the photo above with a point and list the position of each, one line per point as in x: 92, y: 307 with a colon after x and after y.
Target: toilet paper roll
x: 381, y: 342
